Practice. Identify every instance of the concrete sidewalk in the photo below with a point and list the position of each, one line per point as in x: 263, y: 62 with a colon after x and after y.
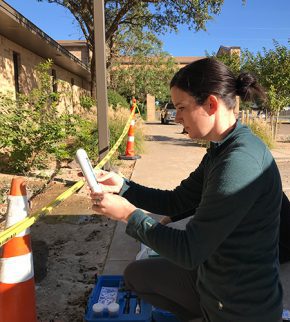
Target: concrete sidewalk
x: 169, y: 157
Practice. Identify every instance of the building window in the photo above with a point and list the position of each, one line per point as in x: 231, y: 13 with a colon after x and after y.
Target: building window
x: 16, y: 65
x: 54, y: 83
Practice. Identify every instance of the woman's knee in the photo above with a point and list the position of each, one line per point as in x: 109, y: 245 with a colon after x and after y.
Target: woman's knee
x: 128, y: 273
x: 139, y: 275
x: 132, y: 275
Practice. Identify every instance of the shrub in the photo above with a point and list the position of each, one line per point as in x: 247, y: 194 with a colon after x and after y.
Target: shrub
x: 32, y: 131
x: 262, y: 129
x: 87, y: 102
x: 31, y: 127
x: 116, y: 100
x: 85, y: 136
x: 29, y: 135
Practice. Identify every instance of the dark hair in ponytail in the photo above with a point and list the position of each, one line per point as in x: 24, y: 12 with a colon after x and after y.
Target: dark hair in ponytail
x: 248, y: 88
x: 209, y: 76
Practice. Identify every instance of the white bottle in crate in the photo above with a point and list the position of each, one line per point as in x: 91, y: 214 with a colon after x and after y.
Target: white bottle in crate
x: 98, y: 309
x: 113, y: 309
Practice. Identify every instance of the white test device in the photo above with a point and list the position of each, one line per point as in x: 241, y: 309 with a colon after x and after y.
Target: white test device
x: 87, y: 170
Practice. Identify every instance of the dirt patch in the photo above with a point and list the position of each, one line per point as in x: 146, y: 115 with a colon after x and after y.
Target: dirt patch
x: 68, y: 253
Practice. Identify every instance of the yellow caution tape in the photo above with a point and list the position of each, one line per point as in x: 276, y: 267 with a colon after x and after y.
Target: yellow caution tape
x: 138, y: 109
x: 17, y: 228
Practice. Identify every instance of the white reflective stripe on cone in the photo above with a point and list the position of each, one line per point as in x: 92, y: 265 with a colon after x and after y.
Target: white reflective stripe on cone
x: 17, y: 211
x: 23, y: 233
x: 132, y: 123
x: 130, y: 138
x: 16, y: 269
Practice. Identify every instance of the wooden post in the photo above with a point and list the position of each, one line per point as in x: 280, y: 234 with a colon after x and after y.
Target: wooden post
x: 247, y: 117
x: 243, y: 117
x: 150, y: 107
x: 101, y: 79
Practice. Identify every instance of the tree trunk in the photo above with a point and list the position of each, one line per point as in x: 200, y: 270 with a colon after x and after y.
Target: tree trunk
x: 276, y: 126
x: 272, y: 125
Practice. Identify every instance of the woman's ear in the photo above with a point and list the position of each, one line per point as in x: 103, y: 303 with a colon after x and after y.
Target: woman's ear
x: 213, y: 104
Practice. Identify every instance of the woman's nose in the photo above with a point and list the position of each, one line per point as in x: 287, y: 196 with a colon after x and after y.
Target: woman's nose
x: 177, y: 117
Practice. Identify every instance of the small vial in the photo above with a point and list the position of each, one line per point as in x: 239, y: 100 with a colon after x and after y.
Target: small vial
x: 113, y: 309
x: 98, y: 309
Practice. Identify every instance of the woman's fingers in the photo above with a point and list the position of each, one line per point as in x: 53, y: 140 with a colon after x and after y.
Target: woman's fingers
x: 112, y: 206
x: 165, y: 220
x: 97, y: 195
x: 103, y: 175
x: 110, y: 181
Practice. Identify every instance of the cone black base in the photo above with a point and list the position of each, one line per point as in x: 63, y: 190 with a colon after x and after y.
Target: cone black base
x: 129, y: 157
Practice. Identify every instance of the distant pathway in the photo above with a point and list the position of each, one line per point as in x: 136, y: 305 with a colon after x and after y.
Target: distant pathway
x: 169, y: 157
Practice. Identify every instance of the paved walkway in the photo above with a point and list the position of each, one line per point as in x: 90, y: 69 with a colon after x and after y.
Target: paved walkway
x: 169, y: 157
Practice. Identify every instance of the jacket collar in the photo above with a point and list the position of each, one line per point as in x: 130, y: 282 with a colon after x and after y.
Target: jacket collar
x: 216, y: 146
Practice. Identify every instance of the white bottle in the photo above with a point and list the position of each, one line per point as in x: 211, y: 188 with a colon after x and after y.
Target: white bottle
x: 113, y: 309
x: 87, y: 170
x: 98, y: 309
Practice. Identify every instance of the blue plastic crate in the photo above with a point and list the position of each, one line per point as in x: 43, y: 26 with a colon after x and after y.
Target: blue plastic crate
x: 116, y: 281
x: 160, y: 315
x: 286, y: 315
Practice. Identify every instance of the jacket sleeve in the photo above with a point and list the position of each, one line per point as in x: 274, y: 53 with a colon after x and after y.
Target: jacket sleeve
x: 183, y: 215
x: 181, y: 200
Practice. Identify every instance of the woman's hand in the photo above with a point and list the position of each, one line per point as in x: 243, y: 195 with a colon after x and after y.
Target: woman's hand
x: 109, y: 181
x: 112, y: 206
x: 165, y: 220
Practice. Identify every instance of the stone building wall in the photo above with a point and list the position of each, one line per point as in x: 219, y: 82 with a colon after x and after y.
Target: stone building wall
x: 70, y: 86
x: 78, y: 48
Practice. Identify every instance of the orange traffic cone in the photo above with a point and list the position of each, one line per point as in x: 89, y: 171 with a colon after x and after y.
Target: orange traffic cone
x: 129, y: 154
x: 17, y: 289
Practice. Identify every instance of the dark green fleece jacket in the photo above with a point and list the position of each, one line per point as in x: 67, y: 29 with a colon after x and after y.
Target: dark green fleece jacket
x: 235, y: 196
